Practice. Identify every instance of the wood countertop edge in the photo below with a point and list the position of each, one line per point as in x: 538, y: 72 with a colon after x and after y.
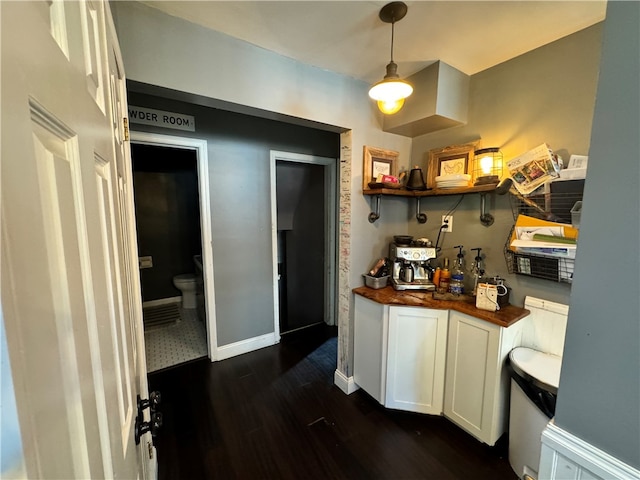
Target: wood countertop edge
x: 505, y: 317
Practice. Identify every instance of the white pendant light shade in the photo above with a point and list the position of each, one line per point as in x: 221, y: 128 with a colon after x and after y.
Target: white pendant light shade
x: 390, y: 90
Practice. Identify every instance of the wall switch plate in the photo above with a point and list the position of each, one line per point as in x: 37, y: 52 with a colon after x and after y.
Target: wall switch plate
x: 447, y: 219
x: 145, y: 262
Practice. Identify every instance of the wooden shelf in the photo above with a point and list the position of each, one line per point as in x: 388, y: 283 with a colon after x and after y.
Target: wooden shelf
x: 378, y: 193
x: 435, y: 192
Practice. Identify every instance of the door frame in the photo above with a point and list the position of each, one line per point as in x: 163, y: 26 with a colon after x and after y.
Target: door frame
x: 204, y: 199
x: 330, y: 240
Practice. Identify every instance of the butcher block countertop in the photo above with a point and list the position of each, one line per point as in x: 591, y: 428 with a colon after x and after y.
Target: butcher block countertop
x: 505, y: 317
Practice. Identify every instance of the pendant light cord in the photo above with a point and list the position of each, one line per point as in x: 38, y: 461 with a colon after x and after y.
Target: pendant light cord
x: 392, y: 29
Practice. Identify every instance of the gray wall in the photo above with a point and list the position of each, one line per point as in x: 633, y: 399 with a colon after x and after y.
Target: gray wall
x: 239, y: 152
x: 599, y: 389
x: 546, y: 95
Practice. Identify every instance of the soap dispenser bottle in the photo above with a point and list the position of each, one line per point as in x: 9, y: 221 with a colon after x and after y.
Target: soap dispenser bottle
x: 477, y: 270
x: 457, y: 275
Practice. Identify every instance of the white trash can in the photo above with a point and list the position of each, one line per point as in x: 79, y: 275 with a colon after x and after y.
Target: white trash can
x: 534, y: 386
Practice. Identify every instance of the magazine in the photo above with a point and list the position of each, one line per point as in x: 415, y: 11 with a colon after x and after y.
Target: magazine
x: 532, y: 169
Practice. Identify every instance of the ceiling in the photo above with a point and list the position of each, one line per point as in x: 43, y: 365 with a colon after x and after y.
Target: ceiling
x: 348, y: 37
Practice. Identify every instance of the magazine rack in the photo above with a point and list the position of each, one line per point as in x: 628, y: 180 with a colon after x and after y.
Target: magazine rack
x: 553, y: 203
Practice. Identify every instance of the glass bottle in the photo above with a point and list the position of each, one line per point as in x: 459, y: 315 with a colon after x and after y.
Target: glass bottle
x: 457, y: 275
x: 445, y: 277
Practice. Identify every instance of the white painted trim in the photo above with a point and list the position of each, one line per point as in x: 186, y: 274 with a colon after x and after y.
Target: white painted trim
x: 274, y: 246
x: 565, y: 456
x: 246, y: 346
x: 330, y: 253
x: 200, y: 146
x: 161, y: 301
x: 534, y: 302
x: 344, y: 383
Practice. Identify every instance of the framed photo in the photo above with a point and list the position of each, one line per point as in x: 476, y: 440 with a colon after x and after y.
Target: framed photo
x: 452, y: 160
x: 377, y: 161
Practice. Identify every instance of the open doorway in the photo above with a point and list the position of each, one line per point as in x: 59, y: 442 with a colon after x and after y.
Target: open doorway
x: 304, y: 216
x: 171, y: 228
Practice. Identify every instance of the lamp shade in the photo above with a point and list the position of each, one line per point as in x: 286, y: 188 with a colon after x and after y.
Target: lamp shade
x: 390, y: 90
x: 488, y: 166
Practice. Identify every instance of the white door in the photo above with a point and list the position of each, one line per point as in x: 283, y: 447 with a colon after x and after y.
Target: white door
x: 416, y: 359
x: 329, y: 254
x: 70, y: 290
x: 472, y: 375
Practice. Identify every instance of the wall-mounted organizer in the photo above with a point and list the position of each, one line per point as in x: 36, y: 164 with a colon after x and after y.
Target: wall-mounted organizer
x: 559, y: 202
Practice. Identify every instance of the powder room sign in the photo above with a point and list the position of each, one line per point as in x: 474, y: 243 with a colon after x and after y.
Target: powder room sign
x: 160, y: 118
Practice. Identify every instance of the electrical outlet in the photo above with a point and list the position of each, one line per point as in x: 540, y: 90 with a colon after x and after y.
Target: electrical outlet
x: 448, y: 220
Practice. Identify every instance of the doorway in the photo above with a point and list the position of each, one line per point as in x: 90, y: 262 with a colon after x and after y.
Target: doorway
x: 172, y: 225
x: 304, y: 215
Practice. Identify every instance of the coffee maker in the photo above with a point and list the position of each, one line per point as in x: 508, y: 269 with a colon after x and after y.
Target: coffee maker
x: 411, y: 267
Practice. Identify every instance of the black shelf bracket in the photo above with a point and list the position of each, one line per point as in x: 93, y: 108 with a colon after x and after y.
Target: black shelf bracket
x: 421, y: 217
x: 375, y: 215
x: 485, y: 217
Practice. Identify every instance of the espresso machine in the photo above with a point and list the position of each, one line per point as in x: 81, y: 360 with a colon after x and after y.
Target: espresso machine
x: 411, y: 267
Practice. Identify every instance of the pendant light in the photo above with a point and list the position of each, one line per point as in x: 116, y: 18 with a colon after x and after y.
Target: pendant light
x: 391, y: 91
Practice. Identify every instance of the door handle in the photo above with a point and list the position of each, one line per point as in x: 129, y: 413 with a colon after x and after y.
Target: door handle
x: 142, y: 427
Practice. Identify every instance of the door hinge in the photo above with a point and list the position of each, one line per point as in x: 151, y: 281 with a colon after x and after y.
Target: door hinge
x: 125, y: 124
x: 141, y: 427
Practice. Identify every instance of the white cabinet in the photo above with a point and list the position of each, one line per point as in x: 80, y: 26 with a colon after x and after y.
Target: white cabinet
x: 371, y: 321
x: 433, y: 361
x: 399, y: 355
x: 477, y: 383
x: 416, y: 354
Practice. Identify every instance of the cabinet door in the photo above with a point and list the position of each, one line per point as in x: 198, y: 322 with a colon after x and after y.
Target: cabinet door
x: 473, y: 373
x: 416, y: 359
x: 370, y: 346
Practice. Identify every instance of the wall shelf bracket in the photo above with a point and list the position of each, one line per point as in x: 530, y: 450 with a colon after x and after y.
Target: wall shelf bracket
x: 375, y: 215
x: 485, y: 217
x: 421, y: 217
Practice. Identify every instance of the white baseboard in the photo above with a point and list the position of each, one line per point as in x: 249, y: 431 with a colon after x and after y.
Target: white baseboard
x: 567, y: 457
x: 246, y: 346
x: 161, y: 301
x: 344, y: 383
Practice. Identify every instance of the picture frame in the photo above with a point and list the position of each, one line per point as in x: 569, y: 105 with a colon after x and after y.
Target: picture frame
x: 451, y: 160
x: 375, y: 161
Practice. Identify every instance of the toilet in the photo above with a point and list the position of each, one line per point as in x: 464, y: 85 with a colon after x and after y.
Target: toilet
x: 186, y: 283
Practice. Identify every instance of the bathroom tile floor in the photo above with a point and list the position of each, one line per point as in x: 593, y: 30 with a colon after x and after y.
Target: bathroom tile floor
x: 177, y: 343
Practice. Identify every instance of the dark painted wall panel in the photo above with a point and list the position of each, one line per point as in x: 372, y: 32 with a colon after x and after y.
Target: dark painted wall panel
x: 167, y: 216
x: 305, y: 240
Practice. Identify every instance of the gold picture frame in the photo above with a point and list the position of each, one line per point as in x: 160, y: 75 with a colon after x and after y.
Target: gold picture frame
x: 375, y: 161
x: 451, y: 160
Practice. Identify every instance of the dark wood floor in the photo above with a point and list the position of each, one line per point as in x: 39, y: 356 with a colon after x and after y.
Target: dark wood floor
x: 275, y: 414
